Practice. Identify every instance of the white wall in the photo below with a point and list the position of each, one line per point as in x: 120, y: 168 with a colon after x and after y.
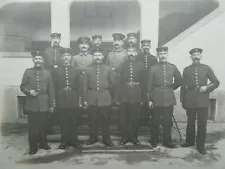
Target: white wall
x: 211, y: 38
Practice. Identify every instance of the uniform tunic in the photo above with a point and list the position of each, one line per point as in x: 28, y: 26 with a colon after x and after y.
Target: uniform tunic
x: 52, y: 57
x: 148, y: 60
x: 195, y: 76
x: 115, y: 57
x: 68, y: 90
x: 131, y: 82
x: 67, y: 84
x: 82, y: 61
x: 163, y: 79
x: 41, y: 81
x: 97, y: 85
x: 195, y: 102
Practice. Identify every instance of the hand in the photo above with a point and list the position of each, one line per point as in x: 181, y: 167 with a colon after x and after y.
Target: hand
x: 85, y: 105
x: 51, y: 109
x: 203, y: 89
x: 150, y: 104
x: 80, y: 105
x: 142, y: 103
x: 33, y: 93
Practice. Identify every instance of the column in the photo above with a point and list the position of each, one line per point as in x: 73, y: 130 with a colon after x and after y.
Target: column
x: 150, y: 22
x: 60, y: 20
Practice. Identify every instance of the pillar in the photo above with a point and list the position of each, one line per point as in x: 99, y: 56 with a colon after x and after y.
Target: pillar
x: 150, y: 22
x: 60, y: 20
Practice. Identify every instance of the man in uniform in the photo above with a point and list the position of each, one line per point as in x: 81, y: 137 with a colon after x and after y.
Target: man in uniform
x: 194, y: 97
x: 97, y: 44
x: 116, y: 56
x: 148, y: 60
x: 68, y: 90
x: 131, y: 83
x: 97, y: 85
x: 52, y: 53
x: 97, y: 41
x: 37, y: 85
x: 163, y: 79
x: 52, y: 59
x: 84, y: 59
x: 132, y: 40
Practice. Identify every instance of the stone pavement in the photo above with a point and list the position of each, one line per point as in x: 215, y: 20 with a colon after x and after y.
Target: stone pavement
x: 14, y: 150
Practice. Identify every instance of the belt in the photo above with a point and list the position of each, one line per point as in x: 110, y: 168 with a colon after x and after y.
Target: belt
x: 131, y: 84
x: 55, y: 66
x: 164, y: 86
x: 67, y: 88
x: 98, y: 89
x: 193, y: 88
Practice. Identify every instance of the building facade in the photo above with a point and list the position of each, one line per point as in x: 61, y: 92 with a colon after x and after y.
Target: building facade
x: 180, y: 25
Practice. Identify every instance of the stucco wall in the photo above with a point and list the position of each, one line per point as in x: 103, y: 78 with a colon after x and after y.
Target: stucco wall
x: 211, y: 38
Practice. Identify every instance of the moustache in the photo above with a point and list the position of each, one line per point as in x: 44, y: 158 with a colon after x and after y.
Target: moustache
x: 116, y: 44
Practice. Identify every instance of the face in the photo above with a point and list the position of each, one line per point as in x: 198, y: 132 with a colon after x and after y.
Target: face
x: 131, y: 52
x: 83, y: 47
x: 38, y: 61
x: 132, y: 40
x: 196, y: 57
x: 118, y: 43
x: 66, y: 57
x: 55, y: 41
x: 146, y: 47
x: 98, y: 56
x: 97, y: 41
x: 163, y: 55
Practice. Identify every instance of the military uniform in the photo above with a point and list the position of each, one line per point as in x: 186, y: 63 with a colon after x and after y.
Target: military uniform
x: 115, y: 57
x: 37, y: 107
x: 94, y: 46
x: 163, y: 79
x: 128, y: 44
x: 195, y: 102
x: 68, y: 92
x: 97, y: 86
x: 82, y: 60
x: 52, y: 55
x: 131, y: 83
x: 148, y: 60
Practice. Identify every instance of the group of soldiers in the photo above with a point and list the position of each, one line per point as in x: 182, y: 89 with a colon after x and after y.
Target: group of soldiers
x: 133, y: 79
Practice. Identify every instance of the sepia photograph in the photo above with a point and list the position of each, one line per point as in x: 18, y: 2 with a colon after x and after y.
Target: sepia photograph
x: 112, y: 84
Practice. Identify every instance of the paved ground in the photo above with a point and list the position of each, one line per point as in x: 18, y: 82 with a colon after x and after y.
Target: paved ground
x: 13, y: 152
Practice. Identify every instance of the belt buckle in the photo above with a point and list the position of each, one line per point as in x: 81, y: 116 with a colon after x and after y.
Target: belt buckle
x: 55, y: 66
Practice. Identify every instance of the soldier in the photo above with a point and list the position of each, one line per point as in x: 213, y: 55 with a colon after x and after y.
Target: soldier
x: 97, y: 85
x: 116, y: 56
x: 52, y: 53
x: 97, y: 44
x: 97, y: 41
x: 194, y: 97
x: 68, y: 90
x: 132, y: 40
x: 131, y: 83
x: 163, y: 79
x: 84, y: 59
x: 37, y: 85
x: 148, y: 60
